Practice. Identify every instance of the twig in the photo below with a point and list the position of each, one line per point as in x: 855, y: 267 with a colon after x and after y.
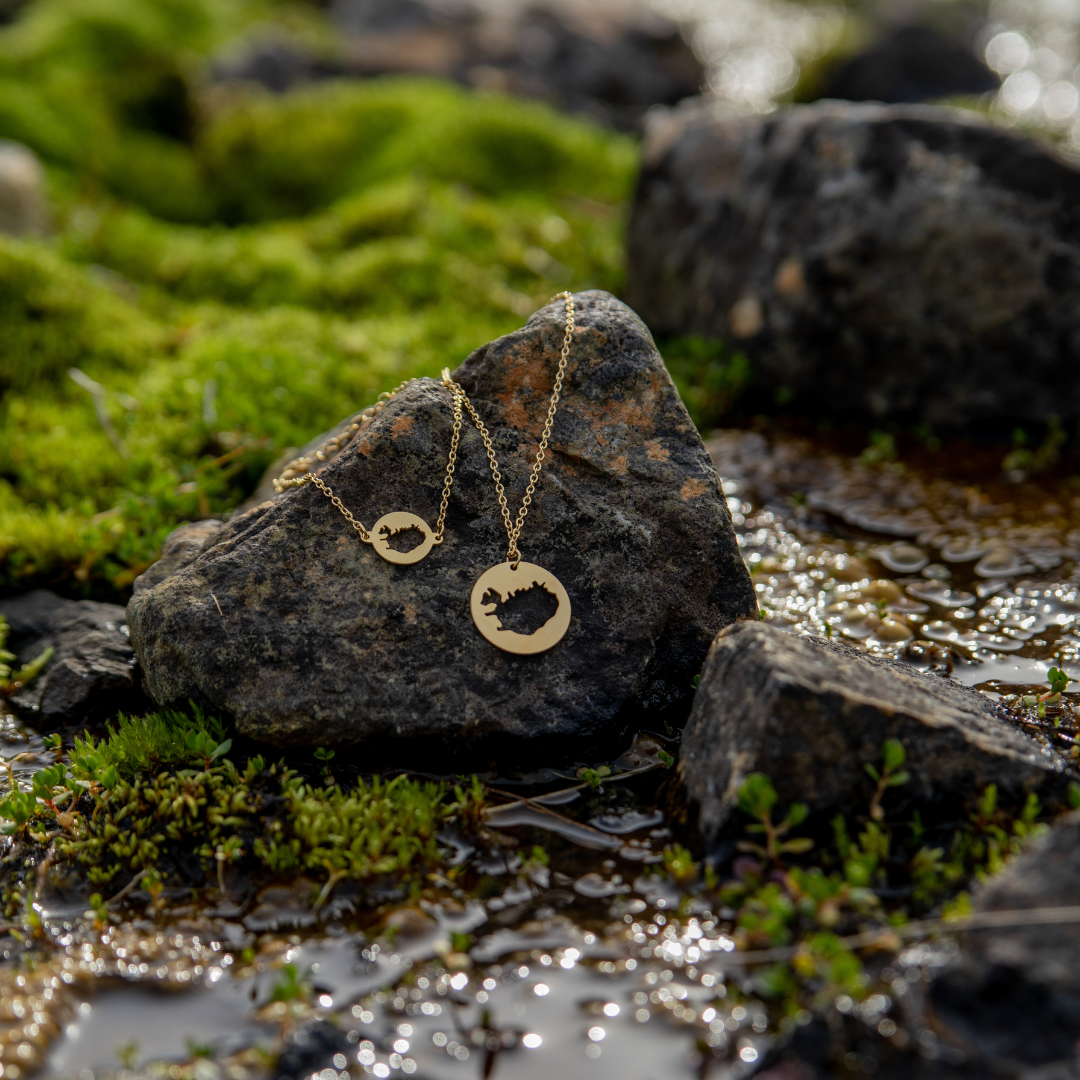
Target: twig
x: 538, y: 805
x: 985, y: 920
x: 219, y: 611
x: 97, y: 393
x: 127, y: 888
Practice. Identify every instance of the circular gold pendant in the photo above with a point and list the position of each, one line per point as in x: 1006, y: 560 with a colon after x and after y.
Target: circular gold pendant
x: 400, y: 521
x: 503, y: 581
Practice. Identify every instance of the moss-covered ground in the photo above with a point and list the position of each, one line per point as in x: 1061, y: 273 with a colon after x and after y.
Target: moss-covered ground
x: 232, y: 272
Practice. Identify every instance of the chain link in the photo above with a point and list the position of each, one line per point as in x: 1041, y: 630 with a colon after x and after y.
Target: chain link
x: 290, y: 479
x: 513, y: 528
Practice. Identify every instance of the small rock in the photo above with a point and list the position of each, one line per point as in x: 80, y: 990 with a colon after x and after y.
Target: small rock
x: 309, y: 1049
x: 913, y: 63
x: 284, y: 621
x: 24, y: 208
x: 610, y: 63
x: 879, y: 261
x: 1013, y: 996
x: 810, y: 714
x: 92, y: 673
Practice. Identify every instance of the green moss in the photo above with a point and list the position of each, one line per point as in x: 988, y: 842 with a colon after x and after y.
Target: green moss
x: 271, y: 157
x: 160, y: 788
x: 55, y: 316
x: 218, y: 346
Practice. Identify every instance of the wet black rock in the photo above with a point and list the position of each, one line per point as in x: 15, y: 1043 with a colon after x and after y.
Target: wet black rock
x: 1012, y: 999
x: 913, y: 63
x: 811, y: 714
x: 609, y: 63
x: 309, y: 1049
x: 92, y: 672
x: 903, y: 262
x: 284, y: 621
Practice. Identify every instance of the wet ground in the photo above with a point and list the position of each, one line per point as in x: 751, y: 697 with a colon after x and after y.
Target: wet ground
x: 595, y: 964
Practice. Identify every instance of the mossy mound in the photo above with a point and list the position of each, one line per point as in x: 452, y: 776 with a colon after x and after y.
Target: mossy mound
x: 233, y: 271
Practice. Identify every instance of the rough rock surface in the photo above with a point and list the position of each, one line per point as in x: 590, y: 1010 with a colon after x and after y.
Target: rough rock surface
x: 902, y: 261
x: 608, y: 61
x: 811, y: 713
x: 24, y: 208
x: 287, y: 623
x: 1013, y: 996
x: 92, y: 672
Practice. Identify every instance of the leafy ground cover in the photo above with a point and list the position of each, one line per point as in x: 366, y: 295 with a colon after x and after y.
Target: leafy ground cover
x: 232, y: 272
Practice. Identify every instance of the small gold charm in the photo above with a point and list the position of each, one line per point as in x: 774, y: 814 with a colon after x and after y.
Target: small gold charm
x: 505, y: 580
x: 391, y: 524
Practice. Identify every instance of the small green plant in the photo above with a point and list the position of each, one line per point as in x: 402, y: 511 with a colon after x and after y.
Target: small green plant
x: 665, y: 759
x: 893, y: 756
x: 757, y: 797
x: 98, y: 912
x: 594, y: 777
x: 291, y: 985
x: 9, y: 682
x: 680, y: 864
x: 228, y: 851
x: 128, y: 1054
x: 16, y: 810
x: 880, y: 450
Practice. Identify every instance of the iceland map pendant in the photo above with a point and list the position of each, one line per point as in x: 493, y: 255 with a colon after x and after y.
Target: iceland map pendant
x: 389, y: 525
x: 505, y: 581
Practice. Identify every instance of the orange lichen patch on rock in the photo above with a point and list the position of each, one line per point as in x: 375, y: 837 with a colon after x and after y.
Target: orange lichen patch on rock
x: 528, y: 377
x: 693, y: 489
x: 410, y: 613
x: 366, y: 445
x: 402, y: 426
x: 618, y: 466
x: 655, y: 452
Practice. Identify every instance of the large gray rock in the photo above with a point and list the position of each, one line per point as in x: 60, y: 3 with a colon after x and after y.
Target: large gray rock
x: 1013, y: 996
x: 875, y: 261
x: 92, y: 672
x: 811, y: 714
x: 287, y: 623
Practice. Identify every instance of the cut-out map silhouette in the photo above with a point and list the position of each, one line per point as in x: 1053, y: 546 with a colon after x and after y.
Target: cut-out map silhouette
x: 523, y: 610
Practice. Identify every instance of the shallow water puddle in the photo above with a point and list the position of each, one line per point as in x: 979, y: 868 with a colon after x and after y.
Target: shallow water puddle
x: 585, y: 1010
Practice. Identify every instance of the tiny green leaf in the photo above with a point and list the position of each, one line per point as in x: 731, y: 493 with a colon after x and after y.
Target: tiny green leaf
x: 223, y: 748
x: 894, y: 754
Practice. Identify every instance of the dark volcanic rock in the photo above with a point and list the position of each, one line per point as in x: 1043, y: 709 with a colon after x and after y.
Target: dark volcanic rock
x: 913, y: 63
x: 1013, y: 996
x: 874, y: 261
x: 811, y: 713
x: 92, y: 672
x: 320, y: 641
x: 610, y: 63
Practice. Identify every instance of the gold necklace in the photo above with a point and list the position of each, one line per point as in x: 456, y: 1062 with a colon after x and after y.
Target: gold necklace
x: 514, y: 576
x: 297, y: 473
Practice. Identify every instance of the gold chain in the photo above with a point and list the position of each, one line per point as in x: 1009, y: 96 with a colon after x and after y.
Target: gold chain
x: 513, y: 528
x: 297, y: 474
